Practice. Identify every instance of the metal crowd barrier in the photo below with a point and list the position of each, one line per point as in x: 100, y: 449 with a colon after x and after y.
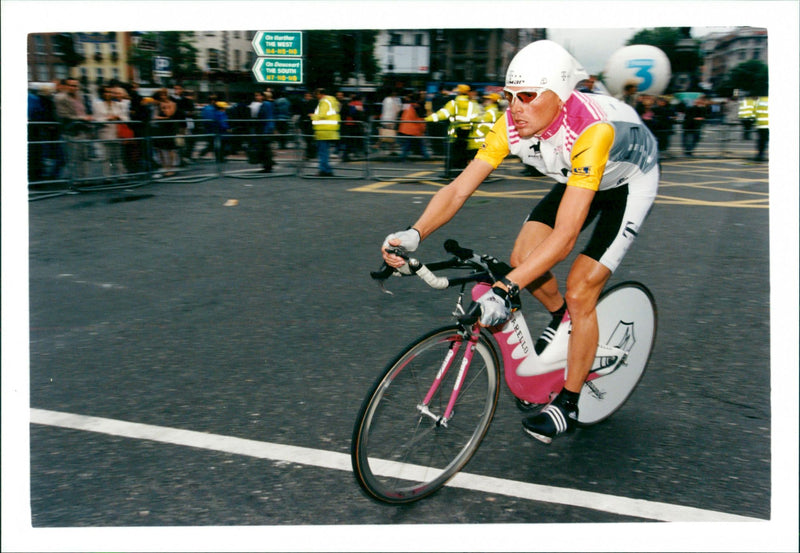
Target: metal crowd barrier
x: 349, y: 156
x: 85, y: 157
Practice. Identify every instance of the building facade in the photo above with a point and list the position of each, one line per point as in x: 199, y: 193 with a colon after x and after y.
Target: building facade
x: 412, y: 58
x: 415, y: 57
x: 722, y: 52
x: 104, y: 57
x: 225, y: 51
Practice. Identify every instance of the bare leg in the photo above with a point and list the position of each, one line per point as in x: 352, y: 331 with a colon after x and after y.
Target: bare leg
x: 545, y: 288
x: 584, y: 285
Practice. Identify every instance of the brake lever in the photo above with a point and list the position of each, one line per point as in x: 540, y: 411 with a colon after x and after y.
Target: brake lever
x: 380, y: 278
x: 386, y: 271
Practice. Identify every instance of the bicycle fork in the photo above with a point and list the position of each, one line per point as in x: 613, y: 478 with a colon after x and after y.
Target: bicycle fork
x: 424, y: 407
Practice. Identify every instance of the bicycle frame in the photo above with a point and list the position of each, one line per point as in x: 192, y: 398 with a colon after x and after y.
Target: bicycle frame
x: 536, y: 378
x: 428, y: 411
x: 462, y: 373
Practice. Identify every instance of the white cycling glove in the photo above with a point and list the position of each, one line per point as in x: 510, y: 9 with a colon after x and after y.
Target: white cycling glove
x: 409, y: 239
x: 495, y: 308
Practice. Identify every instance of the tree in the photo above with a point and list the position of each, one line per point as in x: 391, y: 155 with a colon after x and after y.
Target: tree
x: 751, y: 77
x: 332, y: 57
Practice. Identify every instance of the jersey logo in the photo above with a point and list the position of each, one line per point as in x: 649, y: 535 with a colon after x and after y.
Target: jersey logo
x: 579, y: 153
x: 581, y: 170
x: 630, y: 230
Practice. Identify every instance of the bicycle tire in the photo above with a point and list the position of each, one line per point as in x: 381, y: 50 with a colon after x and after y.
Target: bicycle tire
x: 628, y: 309
x: 400, y: 455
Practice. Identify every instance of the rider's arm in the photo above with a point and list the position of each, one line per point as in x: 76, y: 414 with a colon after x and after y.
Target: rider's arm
x: 445, y: 204
x: 448, y: 200
x: 589, y: 157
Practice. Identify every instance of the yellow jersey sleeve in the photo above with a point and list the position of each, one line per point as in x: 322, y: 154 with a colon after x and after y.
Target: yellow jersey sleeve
x: 590, y: 155
x: 495, y: 149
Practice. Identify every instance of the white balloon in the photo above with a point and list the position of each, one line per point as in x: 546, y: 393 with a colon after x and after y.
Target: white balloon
x: 645, y: 65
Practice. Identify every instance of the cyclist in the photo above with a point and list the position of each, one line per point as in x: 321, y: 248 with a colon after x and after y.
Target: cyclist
x: 605, y: 162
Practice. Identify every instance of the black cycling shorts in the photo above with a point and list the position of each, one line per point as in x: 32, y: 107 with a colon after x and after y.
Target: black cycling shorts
x: 618, y: 221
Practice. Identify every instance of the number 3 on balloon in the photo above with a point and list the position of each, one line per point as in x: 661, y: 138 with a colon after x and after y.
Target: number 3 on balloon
x: 643, y: 67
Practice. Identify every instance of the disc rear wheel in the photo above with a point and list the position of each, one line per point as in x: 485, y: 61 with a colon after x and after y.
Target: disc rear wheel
x: 627, y: 320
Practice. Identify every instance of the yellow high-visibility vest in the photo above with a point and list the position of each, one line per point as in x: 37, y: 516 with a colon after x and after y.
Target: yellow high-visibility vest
x: 747, y: 108
x: 326, y: 118
x: 762, y: 113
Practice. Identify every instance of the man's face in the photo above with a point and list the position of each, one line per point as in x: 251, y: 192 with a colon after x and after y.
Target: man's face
x: 533, y: 117
x: 72, y: 87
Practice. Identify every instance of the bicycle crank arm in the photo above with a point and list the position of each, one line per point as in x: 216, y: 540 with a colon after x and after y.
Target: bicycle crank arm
x: 595, y: 390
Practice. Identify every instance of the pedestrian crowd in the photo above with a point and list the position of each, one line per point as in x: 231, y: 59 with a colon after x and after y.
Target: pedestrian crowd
x: 662, y: 115
x: 108, y: 126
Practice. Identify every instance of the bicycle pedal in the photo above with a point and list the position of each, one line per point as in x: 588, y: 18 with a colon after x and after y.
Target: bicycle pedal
x: 526, y: 406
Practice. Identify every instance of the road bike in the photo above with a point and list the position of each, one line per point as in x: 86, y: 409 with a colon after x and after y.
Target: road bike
x: 428, y: 411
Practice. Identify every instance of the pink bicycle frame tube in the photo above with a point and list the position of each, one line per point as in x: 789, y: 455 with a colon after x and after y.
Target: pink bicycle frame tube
x: 539, y: 380
x: 462, y: 372
x: 448, y: 360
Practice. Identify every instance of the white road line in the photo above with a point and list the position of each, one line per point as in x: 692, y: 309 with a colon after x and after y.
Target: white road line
x: 341, y: 461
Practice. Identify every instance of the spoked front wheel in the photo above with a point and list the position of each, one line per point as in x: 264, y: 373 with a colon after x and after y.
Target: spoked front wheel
x: 403, y: 447
x: 627, y: 317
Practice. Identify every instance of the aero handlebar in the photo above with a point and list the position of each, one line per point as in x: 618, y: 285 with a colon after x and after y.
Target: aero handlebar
x: 485, y: 268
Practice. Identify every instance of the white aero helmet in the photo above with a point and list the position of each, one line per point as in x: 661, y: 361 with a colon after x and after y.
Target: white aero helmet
x: 545, y: 64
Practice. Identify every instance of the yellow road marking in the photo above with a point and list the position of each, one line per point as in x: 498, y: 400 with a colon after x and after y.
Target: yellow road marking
x: 422, y: 187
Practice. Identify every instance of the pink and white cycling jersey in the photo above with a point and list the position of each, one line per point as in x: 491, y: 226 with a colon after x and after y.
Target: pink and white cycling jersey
x: 632, y: 152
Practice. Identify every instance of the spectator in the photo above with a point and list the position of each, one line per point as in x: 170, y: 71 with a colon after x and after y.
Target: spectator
x: 240, y: 125
x: 48, y: 131
x: 71, y: 112
x: 111, y: 111
x: 629, y: 93
x: 326, y: 118
x: 283, y: 113
x: 344, y: 107
x: 35, y: 148
x: 306, y: 107
x: 354, y: 117
x: 587, y: 85
x: 220, y: 127
x: 208, y: 118
x: 412, y: 127
x: 664, y: 121
x: 184, y: 100
x: 645, y: 107
x: 438, y: 130
x: 266, y: 120
x: 255, y: 128
x: 491, y: 113
x: 461, y: 113
x: 693, y: 120
x: 391, y: 106
x: 165, y: 129
x: 747, y: 115
x: 762, y: 126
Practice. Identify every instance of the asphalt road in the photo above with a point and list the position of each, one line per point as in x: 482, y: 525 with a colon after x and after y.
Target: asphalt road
x: 173, y: 307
